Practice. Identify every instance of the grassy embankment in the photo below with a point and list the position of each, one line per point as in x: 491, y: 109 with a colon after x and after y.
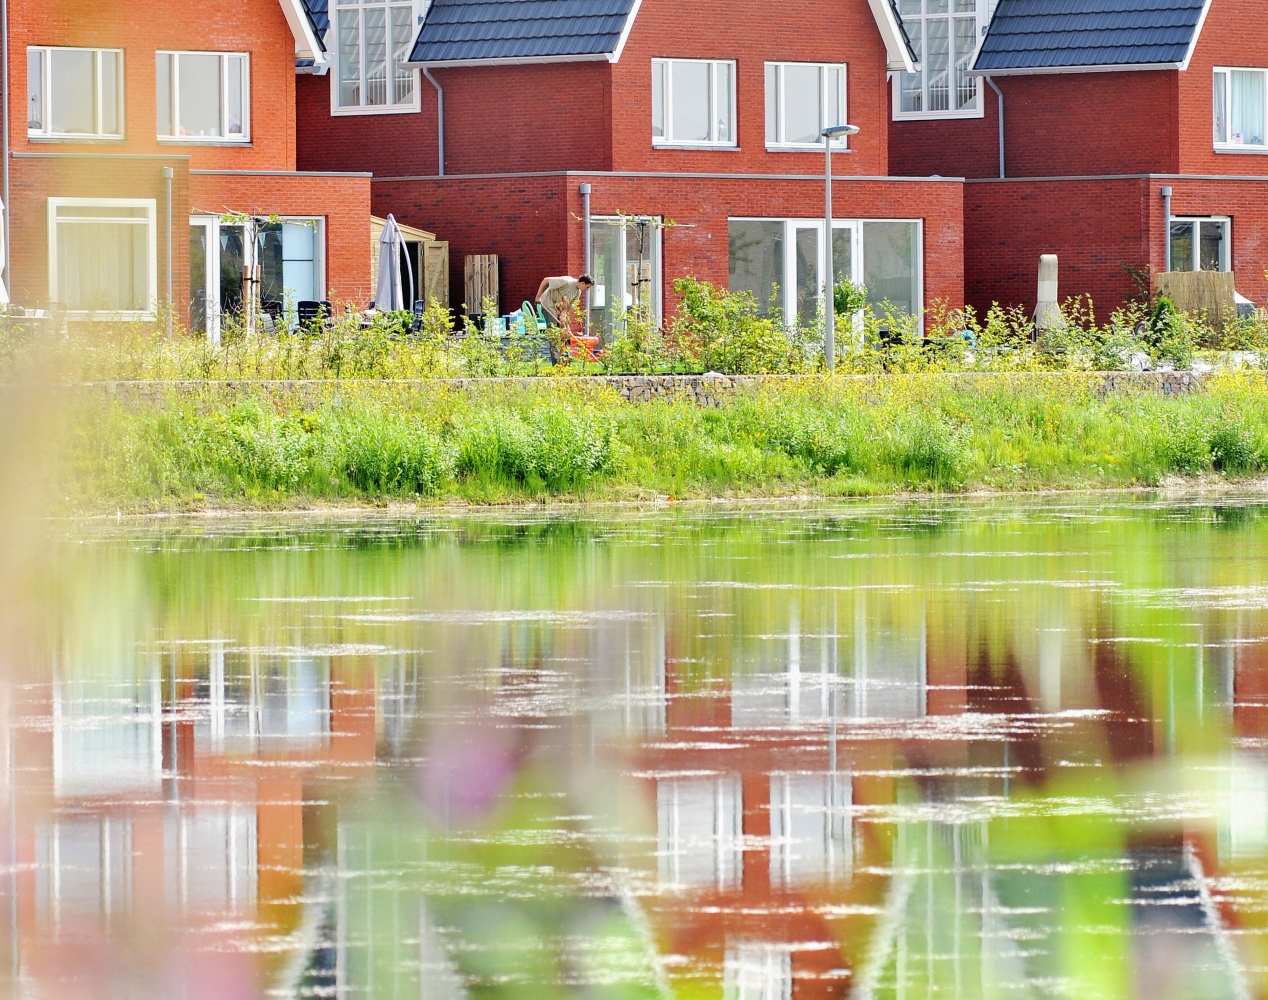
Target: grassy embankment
x: 562, y: 438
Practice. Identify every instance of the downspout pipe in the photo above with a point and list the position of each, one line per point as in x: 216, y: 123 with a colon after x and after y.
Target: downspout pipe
x: 585, y: 215
x: 168, y: 173
x: 440, y: 117
x: 1166, y: 227
x: 999, y: 94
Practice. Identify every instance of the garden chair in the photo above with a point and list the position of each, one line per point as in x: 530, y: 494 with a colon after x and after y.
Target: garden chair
x: 419, y: 308
x: 308, y: 310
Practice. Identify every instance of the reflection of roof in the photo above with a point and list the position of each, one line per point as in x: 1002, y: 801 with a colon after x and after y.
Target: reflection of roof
x: 1049, y: 36
x: 522, y: 30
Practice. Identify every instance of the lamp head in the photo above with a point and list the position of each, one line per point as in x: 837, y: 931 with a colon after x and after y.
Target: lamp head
x: 836, y: 131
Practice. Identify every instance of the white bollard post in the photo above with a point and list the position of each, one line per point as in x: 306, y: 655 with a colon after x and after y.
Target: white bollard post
x: 1047, y: 312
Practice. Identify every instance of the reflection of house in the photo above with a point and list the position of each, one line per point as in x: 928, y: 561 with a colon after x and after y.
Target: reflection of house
x: 144, y: 116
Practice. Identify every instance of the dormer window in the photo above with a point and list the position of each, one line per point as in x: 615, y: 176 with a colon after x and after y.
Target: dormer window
x: 74, y: 93
x: 203, y: 97
x: 372, y: 40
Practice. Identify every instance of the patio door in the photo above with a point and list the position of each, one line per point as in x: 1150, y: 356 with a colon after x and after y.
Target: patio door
x: 805, y: 265
x: 625, y: 261
x: 218, y: 255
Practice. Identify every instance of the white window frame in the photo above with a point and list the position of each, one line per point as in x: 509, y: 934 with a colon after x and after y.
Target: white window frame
x: 856, y: 256
x: 984, y: 10
x: 667, y: 140
x: 413, y: 106
x: 46, y: 69
x: 224, y: 139
x: 151, y: 207
x: 657, y: 227
x: 1226, y: 244
x: 1225, y: 145
x: 778, y: 144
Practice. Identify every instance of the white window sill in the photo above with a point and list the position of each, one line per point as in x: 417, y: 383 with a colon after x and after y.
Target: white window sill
x: 1241, y: 148
x: 788, y: 147
x: 935, y: 116
x: 390, y: 109
x: 46, y: 137
x: 195, y: 140
x: 714, y: 146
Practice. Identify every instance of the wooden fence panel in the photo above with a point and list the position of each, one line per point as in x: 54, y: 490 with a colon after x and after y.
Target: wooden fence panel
x: 481, y: 283
x: 1199, y: 291
x: 436, y: 272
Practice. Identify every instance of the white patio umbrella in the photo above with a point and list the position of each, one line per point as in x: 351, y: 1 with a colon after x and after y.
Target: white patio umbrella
x: 388, y: 296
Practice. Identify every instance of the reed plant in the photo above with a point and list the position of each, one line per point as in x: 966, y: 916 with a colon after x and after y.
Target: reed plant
x: 491, y: 444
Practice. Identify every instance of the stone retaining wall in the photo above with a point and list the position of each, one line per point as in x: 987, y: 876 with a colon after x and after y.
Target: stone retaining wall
x: 704, y: 390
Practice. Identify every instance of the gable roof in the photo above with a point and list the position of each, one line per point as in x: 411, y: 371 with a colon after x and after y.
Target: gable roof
x: 490, y: 32
x: 1061, y: 36
x: 318, y: 12
x: 310, y: 47
x: 497, y: 32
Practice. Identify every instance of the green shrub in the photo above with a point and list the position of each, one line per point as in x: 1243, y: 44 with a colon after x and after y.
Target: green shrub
x: 925, y: 453
x: 390, y: 455
x: 1232, y: 451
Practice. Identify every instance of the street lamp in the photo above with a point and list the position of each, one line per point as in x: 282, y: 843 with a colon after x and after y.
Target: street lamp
x: 829, y: 329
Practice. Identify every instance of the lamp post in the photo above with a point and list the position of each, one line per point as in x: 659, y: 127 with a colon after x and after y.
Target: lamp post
x: 829, y: 329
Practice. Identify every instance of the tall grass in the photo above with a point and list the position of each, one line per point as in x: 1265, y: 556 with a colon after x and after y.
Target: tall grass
x: 499, y: 444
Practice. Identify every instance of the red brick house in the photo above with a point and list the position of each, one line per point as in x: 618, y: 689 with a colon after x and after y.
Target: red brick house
x: 1105, y: 108
x: 500, y: 112
x: 120, y: 95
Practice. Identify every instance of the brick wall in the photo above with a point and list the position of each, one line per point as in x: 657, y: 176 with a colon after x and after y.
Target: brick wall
x: 1225, y: 41
x: 141, y: 28
x: 35, y: 178
x: 534, y: 223
x: 342, y: 200
x: 502, y: 119
x: 1076, y: 124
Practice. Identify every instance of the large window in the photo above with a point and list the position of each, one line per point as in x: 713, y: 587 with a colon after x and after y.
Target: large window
x: 781, y: 261
x: 944, y: 35
x: 102, y: 255
x: 372, y: 40
x: 1200, y: 244
x: 700, y: 831
x: 626, y: 266
x: 693, y: 102
x: 74, y: 93
x: 802, y: 99
x: 1238, y: 110
x: 203, y: 96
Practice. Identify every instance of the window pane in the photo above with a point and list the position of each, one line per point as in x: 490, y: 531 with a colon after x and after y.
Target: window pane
x: 658, y: 99
x: 909, y: 8
x: 111, y: 109
x: 842, y: 256
x: 723, y: 109
x: 102, y: 266
x: 605, y: 262
x: 802, y: 104
x: 965, y: 39
x: 937, y: 55
x: 834, y: 113
x: 807, y: 276
x: 756, y: 252
x: 1246, y: 122
x: 772, y: 103
x: 1210, y: 257
x: 235, y: 71
x: 937, y: 7
x: 691, y: 102
x: 269, y: 243
x: 912, y: 98
x: 402, y: 79
x: 375, y: 56
x: 198, y: 86
x: 34, y: 89
x: 198, y: 279
x: 163, y: 92
x: 1219, y: 110
x: 642, y: 266
x: 349, y: 59
x: 889, y: 263
x: 232, y: 263
x: 72, y: 92
x: 1181, y: 246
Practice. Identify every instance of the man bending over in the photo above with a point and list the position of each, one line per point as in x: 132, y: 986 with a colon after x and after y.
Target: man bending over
x: 557, y: 295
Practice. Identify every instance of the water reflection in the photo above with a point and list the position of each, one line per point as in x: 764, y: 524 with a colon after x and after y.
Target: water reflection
x: 1004, y: 750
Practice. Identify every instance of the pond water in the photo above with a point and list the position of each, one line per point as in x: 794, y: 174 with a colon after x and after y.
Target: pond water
x: 956, y: 749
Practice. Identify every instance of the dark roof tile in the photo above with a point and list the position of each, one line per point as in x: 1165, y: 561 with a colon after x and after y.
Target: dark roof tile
x: 1051, y: 34
x: 465, y: 30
